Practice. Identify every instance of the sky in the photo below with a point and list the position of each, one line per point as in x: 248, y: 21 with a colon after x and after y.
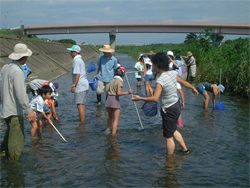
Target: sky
x: 45, y: 12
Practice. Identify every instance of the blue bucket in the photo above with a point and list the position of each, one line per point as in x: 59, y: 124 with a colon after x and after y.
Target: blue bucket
x: 150, y: 108
x: 91, y: 67
x: 93, y: 84
x: 219, y: 106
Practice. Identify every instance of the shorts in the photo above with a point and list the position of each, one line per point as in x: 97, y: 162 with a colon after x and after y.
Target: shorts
x: 201, y: 89
x: 113, y: 102
x: 149, y: 77
x: 46, y: 109
x: 138, y: 79
x: 169, y: 119
x: 80, y: 97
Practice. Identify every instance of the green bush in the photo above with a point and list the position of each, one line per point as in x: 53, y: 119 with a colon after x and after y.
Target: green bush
x: 67, y: 41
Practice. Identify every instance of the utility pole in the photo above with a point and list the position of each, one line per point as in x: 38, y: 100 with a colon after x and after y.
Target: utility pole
x: 6, y: 20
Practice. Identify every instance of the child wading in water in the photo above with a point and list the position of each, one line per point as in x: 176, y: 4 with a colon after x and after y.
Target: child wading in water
x: 113, y: 102
x: 38, y: 105
x: 213, y: 88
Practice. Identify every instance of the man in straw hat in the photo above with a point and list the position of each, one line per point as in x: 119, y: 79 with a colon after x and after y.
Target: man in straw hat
x: 191, y: 64
x: 80, y: 83
x: 14, y: 102
x: 105, y: 72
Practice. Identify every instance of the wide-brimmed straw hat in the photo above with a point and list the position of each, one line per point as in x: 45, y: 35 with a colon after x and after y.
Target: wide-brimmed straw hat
x: 189, y: 54
x: 20, y: 50
x: 106, y: 48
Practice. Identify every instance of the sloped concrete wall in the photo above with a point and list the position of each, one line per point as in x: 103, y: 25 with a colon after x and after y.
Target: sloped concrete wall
x: 49, y: 60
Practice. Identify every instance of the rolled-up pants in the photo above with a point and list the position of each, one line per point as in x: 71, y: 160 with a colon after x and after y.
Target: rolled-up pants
x: 13, y: 142
x: 102, y: 86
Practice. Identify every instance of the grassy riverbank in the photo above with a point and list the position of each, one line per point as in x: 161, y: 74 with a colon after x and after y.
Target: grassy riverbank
x: 232, y: 57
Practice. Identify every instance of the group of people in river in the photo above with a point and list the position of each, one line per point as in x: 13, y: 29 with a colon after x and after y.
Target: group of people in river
x: 162, y: 66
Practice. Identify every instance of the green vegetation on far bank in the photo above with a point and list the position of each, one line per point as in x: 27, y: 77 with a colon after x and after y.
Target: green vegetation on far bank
x: 232, y: 57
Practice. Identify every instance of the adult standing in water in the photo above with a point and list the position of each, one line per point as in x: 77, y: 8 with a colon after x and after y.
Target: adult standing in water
x: 79, y: 78
x: 191, y: 65
x: 105, y: 72
x: 14, y: 102
x: 170, y: 105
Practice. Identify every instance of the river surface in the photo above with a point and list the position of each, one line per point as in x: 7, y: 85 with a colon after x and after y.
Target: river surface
x: 218, y: 141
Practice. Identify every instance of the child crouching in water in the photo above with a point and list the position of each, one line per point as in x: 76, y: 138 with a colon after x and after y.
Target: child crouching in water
x: 113, y: 102
x: 38, y: 105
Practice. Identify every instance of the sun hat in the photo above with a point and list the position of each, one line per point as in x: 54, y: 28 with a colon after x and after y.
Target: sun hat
x: 75, y: 48
x: 170, y: 53
x: 20, y: 50
x: 106, y: 48
x: 189, y: 54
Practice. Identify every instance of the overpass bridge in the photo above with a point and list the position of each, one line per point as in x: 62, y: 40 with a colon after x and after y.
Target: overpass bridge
x: 138, y: 27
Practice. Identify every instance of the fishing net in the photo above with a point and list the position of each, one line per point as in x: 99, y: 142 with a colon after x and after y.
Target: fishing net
x: 150, y: 108
x: 91, y: 67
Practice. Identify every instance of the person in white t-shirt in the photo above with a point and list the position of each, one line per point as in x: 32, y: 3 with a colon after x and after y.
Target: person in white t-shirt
x: 80, y: 83
x: 148, y: 76
x: 38, y: 105
x: 170, y: 105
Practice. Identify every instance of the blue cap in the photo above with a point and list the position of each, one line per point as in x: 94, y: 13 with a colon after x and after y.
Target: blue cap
x: 75, y: 48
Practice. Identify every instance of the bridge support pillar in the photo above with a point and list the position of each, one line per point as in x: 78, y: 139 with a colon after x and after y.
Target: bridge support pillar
x: 218, y: 39
x: 112, y: 39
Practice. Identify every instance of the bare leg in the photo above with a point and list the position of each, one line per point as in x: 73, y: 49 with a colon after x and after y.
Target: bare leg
x: 151, y: 89
x: 81, y: 109
x: 178, y: 137
x: 34, y: 128
x: 170, y: 145
x: 39, y: 128
x: 110, y: 118
x: 148, y: 91
x: 206, y: 101
x: 180, y: 122
x: 116, y: 120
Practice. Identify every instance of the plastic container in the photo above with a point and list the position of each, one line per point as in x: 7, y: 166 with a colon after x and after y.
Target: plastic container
x: 93, y: 84
x: 219, y: 106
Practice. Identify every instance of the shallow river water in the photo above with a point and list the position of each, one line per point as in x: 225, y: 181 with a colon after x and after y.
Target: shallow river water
x: 218, y: 141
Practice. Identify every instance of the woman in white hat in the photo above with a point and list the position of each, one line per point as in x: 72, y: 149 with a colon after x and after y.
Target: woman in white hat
x: 105, y: 72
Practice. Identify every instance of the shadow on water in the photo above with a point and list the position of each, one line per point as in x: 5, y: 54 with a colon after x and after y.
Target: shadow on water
x: 218, y: 141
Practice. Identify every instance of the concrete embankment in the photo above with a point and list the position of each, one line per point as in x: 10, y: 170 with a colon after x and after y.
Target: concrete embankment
x: 49, y: 60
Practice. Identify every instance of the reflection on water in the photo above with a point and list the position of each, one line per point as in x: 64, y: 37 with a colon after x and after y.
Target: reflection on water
x: 218, y: 141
